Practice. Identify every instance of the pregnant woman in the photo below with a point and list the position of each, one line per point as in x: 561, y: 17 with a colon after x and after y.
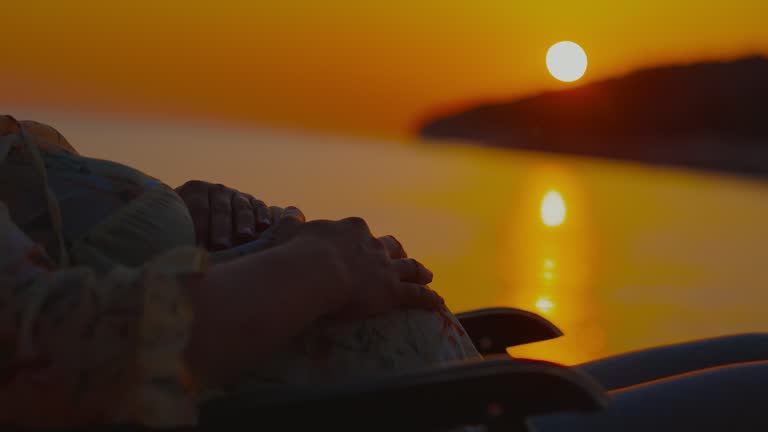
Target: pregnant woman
x: 122, y: 300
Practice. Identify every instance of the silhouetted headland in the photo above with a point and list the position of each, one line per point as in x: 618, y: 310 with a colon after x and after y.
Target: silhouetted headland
x: 707, y: 115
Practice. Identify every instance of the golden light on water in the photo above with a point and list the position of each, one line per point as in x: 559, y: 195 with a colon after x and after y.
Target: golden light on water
x: 566, y: 61
x: 548, y: 274
x: 544, y: 304
x: 548, y: 263
x: 553, y: 210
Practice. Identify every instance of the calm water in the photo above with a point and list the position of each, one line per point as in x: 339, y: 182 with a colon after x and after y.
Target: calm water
x: 620, y: 256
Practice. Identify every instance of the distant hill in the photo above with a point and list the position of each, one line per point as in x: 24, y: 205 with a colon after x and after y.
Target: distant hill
x: 708, y: 115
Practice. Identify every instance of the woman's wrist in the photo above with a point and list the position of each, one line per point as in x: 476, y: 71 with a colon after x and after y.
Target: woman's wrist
x: 266, y: 297
x: 304, y: 270
x: 317, y: 273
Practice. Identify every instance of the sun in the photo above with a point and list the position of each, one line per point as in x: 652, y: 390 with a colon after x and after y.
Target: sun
x: 566, y: 61
x: 553, y: 209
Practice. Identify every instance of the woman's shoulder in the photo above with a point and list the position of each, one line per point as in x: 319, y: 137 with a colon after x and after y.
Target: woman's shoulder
x: 48, y: 186
x: 32, y: 151
x: 47, y: 138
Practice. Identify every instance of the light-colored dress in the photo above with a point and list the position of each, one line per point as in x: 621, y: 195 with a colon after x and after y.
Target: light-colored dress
x: 94, y: 257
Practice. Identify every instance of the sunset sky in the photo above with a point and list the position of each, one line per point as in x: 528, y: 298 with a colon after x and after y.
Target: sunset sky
x: 310, y: 103
x: 341, y: 65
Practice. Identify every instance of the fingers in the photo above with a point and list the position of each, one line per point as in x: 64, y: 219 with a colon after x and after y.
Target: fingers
x: 411, y: 270
x: 293, y: 212
x: 393, y: 246
x: 244, y: 216
x: 287, y: 216
x: 274, y: 214
x: 356, y: 222
x: 415, y: 295
x: 220, y: 229
x: 261, y: 214
x: 287, y: 222
x: 224, y: 217
x: 195, y: 196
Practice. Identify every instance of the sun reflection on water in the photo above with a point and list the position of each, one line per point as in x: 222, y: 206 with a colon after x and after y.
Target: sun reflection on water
x: 544, y: 305
x: 544, y: 302
x: 548, y: 270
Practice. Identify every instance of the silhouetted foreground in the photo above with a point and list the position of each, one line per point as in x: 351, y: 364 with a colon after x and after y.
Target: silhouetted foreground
x: 709, y: 115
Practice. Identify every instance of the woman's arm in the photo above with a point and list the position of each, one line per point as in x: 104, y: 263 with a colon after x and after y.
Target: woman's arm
x: 334, y: 270
x: 76, y: 348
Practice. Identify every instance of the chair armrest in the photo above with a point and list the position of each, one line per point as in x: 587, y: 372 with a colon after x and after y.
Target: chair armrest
x: 498, y: 391
x: 494, y: 329
x: 462, y: 393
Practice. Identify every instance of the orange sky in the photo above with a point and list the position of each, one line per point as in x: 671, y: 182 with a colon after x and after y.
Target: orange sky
x: 373, y: 67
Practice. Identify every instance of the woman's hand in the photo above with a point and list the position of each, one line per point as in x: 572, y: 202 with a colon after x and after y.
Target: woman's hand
x: 331, y: 270
x: 372, y: 275
x: 224, y: 217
